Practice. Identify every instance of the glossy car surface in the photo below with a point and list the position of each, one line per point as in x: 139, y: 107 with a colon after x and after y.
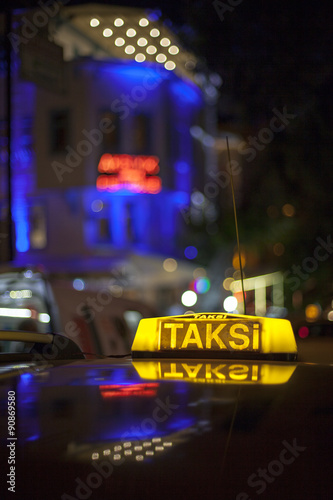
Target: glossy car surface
x: 171, y: 429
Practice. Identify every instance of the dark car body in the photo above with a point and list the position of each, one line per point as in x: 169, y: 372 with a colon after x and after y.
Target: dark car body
x: 166, y: 429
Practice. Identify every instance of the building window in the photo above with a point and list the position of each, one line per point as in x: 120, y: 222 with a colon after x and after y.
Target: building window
x: 99, y: 226
x: 110, y: 127
x: 131, y: 234
x: 59, y: 131
x: 38, y: 229
x: 141, y: 134
x: 104, y: 233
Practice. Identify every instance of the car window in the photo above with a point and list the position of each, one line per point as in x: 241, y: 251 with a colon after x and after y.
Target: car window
x: 23, y: 307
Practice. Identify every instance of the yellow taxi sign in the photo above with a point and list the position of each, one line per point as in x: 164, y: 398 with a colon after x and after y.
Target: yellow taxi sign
x: 215, y: 335
x: 212, y: 334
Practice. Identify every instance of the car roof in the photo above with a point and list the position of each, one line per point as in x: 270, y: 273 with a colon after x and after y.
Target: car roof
x: 200, y: 437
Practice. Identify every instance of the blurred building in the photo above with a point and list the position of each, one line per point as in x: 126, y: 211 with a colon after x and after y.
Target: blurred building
x: 103, y: 161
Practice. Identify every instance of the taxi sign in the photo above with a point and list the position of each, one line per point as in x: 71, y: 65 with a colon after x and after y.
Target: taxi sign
x: 211, y: 334
x: 215, y: 335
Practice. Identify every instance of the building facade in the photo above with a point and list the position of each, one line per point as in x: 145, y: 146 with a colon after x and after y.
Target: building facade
x: 103, y: 158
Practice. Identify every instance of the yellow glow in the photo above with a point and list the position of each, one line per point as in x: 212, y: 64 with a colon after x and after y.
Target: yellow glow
x: 235, y: 260
x: 312, y: 312
x: 169, y: 65
x: 143, y: 22
x: 118, y: 22
x: 212, y: 333
x: 151, y: 49
x: 215, y: 372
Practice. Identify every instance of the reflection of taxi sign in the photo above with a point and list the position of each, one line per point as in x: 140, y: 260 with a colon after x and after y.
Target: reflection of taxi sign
x: 215, y: 335
x: 216, y: 372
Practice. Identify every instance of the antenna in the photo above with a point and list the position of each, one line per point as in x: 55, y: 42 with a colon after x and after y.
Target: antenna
x: 236, y: 224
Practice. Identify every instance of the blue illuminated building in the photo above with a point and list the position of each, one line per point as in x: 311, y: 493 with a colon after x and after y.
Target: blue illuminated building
x: 83, y: 175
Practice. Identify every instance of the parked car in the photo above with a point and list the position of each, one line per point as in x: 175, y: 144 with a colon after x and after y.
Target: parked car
x: 99, y: 320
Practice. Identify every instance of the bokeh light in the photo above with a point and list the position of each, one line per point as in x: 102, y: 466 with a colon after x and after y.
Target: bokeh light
x: 118, y: 22
x: 199, y: 272
x: 78, y: 284
x: 107, y: 32
x: 94, y: 22
x: 288, y: 210
x: 312, y: 312
x: 97, y: 206
x: 227, y: 283
x: 303, y: 332
x: 170, y: 265
x: 189, y: 298
x: 201, y: 285
x: 143, y: 22
x: 235, y: 260
x: 190, y: 252
x: 230, y: 304
x: 278, y: 249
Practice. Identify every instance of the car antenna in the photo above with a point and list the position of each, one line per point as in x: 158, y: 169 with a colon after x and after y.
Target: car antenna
x: 236, y: 224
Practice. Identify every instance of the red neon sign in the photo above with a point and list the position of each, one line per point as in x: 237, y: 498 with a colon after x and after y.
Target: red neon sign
x: 135, y: 173
x: 117, y: 390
